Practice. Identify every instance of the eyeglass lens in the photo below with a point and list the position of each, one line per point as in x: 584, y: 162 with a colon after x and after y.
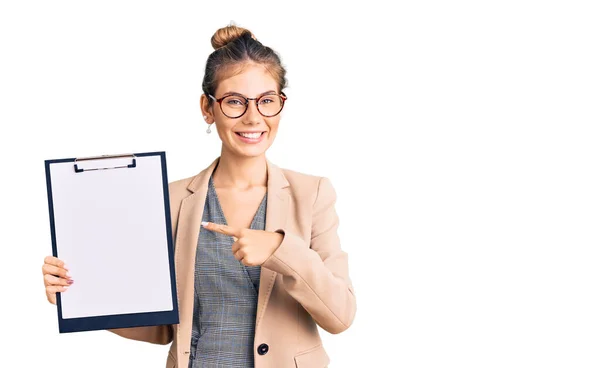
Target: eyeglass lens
x: 235, y: 106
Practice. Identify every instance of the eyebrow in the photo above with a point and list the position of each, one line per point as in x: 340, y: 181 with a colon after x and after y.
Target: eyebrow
x: 239, y: 94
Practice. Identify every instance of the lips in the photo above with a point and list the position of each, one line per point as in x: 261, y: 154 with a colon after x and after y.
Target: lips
x: 250, y: 135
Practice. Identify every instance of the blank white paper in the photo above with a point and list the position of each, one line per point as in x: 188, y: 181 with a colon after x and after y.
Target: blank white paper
x: 111, y: 232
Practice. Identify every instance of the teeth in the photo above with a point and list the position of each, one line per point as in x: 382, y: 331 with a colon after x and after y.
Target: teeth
x: 250, y: 135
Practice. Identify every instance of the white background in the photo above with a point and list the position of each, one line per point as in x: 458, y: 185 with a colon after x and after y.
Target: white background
x: 461, y: 137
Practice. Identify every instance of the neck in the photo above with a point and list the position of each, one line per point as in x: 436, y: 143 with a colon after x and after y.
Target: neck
x: 240, y: 172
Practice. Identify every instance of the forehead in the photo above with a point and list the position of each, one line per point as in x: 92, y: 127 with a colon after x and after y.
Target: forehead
x: 249, y: 80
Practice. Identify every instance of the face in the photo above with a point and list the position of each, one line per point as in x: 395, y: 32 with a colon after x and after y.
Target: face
x: 252, y: 82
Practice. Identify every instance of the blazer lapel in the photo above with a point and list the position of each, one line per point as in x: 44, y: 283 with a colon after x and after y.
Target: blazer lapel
x: 190, y: 216
x: 277, y: 208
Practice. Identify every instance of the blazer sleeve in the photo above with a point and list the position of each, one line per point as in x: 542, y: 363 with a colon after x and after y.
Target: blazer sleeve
x: 317, y: 277
x: 153, y: 334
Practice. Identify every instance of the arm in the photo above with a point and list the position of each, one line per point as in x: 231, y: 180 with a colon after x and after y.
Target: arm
x: 317, y: 277
x: 153, y: 334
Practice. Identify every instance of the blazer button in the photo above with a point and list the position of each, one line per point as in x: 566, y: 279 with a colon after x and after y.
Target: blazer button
x: 262, y: 349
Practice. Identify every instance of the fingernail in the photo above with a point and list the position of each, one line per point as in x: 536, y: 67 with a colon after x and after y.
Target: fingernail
x: 68, y: 274
x: 204, y: 223
x: 69, y: 282
x: 65, y: 267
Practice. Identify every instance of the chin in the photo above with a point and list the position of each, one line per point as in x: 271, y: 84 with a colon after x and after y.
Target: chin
x: 249, y: 152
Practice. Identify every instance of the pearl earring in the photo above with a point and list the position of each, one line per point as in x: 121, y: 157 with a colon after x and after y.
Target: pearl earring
x: 207, y: 129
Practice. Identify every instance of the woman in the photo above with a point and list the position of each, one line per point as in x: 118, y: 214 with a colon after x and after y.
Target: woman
x: 257, y: 255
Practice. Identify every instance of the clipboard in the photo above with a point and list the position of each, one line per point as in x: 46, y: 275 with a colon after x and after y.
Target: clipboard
x: 110, y: 221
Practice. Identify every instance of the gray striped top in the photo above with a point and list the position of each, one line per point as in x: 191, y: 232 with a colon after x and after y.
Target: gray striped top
x: 225, y: 295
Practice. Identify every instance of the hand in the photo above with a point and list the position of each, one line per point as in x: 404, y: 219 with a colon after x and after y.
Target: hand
x: 56, y: 277
x: 251, y: 247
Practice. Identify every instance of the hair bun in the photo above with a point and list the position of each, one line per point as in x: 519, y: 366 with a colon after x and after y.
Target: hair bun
x: 227, y: 34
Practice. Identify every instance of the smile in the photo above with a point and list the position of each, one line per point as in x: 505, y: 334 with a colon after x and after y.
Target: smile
x: 250, y: 137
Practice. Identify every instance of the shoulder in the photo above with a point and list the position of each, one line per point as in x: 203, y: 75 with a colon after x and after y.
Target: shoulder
x: 178, y: 189
x: 297, y: 178
x: 181, y: 184
x: 308, y: 186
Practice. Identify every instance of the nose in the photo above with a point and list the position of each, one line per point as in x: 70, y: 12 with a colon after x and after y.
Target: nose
x: 252, y: 116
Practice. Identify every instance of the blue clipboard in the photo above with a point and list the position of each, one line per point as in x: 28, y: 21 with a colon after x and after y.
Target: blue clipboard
x: 110, y: 221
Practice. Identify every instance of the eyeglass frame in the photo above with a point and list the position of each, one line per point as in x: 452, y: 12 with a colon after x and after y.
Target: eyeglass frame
x: 219, y: 100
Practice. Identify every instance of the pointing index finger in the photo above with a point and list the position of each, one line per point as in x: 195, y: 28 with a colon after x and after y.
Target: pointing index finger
x: 223, y: 229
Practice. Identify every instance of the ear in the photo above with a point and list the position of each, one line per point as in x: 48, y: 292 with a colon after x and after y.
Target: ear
x: 206, y: 109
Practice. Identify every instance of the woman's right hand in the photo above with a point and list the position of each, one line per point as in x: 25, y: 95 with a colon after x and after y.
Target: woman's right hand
x: 56, y: 277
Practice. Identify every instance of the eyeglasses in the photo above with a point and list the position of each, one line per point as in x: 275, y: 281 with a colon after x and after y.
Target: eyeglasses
x: 235, y: 105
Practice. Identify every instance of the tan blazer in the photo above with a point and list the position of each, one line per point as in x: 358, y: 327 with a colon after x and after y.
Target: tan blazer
x: 304, y: 283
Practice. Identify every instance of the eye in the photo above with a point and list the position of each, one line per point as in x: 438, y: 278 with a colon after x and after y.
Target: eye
x: 235, y: 101
x: 266, y: 100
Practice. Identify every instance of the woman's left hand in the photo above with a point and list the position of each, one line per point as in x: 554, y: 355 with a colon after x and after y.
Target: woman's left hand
x: 251, y: 247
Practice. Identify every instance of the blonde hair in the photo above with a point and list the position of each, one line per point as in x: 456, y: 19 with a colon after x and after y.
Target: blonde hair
x: 235, y: 47
x: 227, y: 34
